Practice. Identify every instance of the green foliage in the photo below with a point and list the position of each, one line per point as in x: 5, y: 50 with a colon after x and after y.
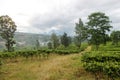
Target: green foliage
x: 81, y: 33
x: 37, y: 44
x: 115, y: 36
x: 98, y: 24
x: 7, y: 29
x: 55, y: 40
x: 49, y: 44
x: 104, y: 62
x: 66, y: 51
x: 72, y: 47
x: 107, y: 47
x: 38, y: 53
x: 84, y: 46
x: 61, y: 47
x: 65, y: 40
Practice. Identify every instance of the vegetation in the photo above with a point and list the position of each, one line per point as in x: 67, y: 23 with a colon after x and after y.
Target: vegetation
x: 103, y: 63
x: 97, y: 26
x: 55, y: 40
x: 51, y: 68
x: 49, y: 44
x: 68, y: 57
x: 37, y: 44
x: 115, y: 36
x: 81, y: 33
x: 38, y: 53
x: 100, y: 63
x: 65, y: 40
x: 7, y: 29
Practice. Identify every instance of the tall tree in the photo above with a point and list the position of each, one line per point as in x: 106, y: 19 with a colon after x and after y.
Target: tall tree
x: 115, y: 37
x: 98, y: 24
x: 7, y: 30
x: 37, y: 44
x: 81, y: 33
x: 55, y: 40
x: 69, y: 40
x: 65, y: 40
x: 49, y: 44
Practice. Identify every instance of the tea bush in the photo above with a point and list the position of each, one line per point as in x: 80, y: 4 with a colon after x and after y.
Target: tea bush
x: 107, y: 63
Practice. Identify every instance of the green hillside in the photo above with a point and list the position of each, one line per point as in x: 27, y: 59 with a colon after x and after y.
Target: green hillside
x: 27, y: 40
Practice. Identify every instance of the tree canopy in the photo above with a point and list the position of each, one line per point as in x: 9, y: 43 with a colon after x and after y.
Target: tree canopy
x: 7, y: 30
x: 115, y: 36
x: 98, y: 24
x: 65, y: 40
x: 55, y: 40
x: 81, y: 33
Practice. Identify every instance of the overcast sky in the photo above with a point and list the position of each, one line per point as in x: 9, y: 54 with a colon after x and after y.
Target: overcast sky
x: 46, y: 16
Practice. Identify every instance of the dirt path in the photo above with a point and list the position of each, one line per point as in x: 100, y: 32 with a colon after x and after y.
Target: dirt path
x: 59, y: 66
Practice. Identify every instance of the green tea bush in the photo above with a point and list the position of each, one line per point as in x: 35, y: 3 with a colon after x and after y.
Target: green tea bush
x: 31, y: 53
x: 72, y: 47
x: 61, y: 47
x: 107, y: 63
x: 66, y: 51
x: 25, y: 54
x: 107, y: 47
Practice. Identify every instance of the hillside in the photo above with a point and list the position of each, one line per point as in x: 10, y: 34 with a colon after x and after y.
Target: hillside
x: 27, y: 40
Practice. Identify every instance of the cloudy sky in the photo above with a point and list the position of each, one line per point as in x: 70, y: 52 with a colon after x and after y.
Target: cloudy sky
x: 46, y: 16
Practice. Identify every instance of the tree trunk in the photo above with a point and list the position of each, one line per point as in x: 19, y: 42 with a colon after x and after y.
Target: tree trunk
x: 8, y: 46
x: 104, y: 39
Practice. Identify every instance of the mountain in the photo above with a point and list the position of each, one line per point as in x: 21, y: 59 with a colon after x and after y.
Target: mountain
x: 27, y: 40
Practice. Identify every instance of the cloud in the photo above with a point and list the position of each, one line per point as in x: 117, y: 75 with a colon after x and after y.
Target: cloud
x: 46, y: 16
x: 54, y: 22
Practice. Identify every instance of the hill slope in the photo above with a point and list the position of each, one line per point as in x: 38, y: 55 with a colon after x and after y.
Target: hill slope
x: 27, y: 40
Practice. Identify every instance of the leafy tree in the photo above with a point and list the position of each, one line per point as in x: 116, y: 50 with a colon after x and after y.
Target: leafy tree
x: 115, y: 37
x: 65, y: 40
x: 49, y: 45
x: 69, y: 40
x: 107, y: 37
x: 98, y: 24
x: 81, y: 33
x: 77, y: 41
x: 55, y: 40
x: 37, y: 44
x: 7, y: 30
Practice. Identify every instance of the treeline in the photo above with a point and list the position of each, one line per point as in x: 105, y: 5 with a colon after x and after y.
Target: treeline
x: 94, y: 31
x: 104, y: 61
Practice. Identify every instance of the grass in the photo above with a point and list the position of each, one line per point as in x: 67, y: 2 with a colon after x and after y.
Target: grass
x: 56, y: 67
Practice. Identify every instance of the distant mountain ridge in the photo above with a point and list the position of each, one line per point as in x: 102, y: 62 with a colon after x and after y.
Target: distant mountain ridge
x: 28, y: 39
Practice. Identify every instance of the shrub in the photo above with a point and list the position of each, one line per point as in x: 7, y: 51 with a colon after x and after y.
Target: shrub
x: 105, y: 62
